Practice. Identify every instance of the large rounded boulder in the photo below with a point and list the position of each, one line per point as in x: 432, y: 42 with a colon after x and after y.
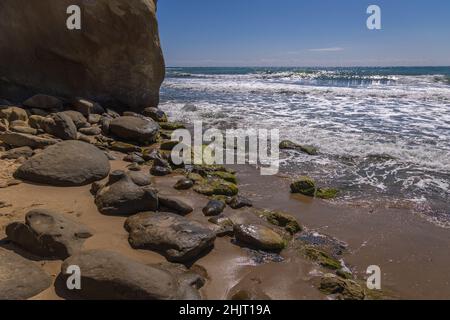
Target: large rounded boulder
x: 114, y: 59
x: 66, y: 164
x: 135, y: 129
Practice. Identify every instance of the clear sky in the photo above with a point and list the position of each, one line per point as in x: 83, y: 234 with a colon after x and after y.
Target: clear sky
x: 304, y: 33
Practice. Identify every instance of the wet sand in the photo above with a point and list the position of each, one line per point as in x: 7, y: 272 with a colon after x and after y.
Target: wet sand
x: 411, y: 252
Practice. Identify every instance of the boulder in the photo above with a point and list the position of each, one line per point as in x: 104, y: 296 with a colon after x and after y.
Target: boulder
x: 48, y: 234
x: 42, y: 101
x: 238, y: 202
x: 281, y: 219
x: 342, y: 289
x: 134, y: 129
x: 140, y: 178
x: 258, y: 237
x: 121, y: 196
x: 13, y: 113
x: 20, y: 278
x: 68, y: 163
x: 108, y: 275
x: 63, y: 127
x: 17, y: 139
x: 78, y: 119
x: 115, y: 58
x: 41, y: 123
x: 175, y: 237
x: 289, y: 145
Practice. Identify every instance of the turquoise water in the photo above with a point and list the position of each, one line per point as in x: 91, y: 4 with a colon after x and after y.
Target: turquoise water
x: 383, y: 133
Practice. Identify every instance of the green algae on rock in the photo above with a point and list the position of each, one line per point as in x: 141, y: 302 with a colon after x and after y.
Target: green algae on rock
x: 321, y: 257
x: 327, y: 193
x: 289, y: 145
x: 216, y: 186
x: 171, y: 126
x: 305, y: 186
x: 342, y: 289
x: 281, y: 219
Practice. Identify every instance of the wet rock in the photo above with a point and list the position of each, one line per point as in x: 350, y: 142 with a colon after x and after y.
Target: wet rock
x: 20, y: 278
x: 13, y: 113
x: 216, y: 186
x: 63, y: 127
x: 78, y: 119
x: 238, y: 202
x: 68, y: 163
x: 321, y: 257
x: 305, y: 186
x: 281, y: 219
x: 342, y: 289
x: 17, y: 139
x: 327, y: 193
x: 134, y: 129
x: 214, y: 208
x: 108, y: 275
x: 289, y: 145
x: 43, y: 102
x: 175, y: 237
x: 160, y: 171
x: 140, y: 178
x: 184, y: 184
x: 258, y: 237
x: 121, y: 196
x: 155, y: 114
x: 225, y: 226
x: 48, y: 234
x: 172, y: 204
x: 16, y: 153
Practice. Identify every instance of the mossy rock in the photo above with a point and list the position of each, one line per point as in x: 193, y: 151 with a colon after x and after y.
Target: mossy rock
x: 124, y: 147
x: 214, y: 186
x: 281, y: 219
x: 225, y: 176
x: 342, y: 289
x: 222, y: 198
x: 171, y: 126
x: 327, y: 193
x: 289, y: 145
x: 195, y: 177
x: 165, y: 134
x: 305, y: 186
x: 321, y: 257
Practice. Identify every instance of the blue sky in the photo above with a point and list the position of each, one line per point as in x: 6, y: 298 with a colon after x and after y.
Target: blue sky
x: 303, y: 33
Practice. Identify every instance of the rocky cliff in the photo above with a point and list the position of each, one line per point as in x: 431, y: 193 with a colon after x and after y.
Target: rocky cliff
x: 115, y: 59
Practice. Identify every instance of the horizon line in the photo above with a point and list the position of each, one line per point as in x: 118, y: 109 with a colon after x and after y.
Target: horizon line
x: 355, y: 66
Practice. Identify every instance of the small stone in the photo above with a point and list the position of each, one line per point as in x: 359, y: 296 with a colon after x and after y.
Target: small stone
x: 134, y: 157
x: 160, y: 171
x: 155, y: 114
x: 172, y: 204
x: 238, y: 202
x: 305, y: 186
x: 258, y: 237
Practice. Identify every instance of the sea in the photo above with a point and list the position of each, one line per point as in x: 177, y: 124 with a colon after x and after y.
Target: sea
x: 383, y: 134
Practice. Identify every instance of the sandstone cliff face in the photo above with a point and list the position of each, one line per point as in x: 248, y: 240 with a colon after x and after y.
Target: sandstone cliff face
x: 115, y: 58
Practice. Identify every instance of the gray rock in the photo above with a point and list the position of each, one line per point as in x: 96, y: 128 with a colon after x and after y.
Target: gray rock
x: 121, y: 196
x: 63, y: 127
x: 17, y: 153
x: 175, y: 237
x: 214, y: 208
x: 159, y: 171
x: 17, y: 139
x: 48, y: 234
x: 87, y: 107
x: 68, y: 163
x: 224, y: 226
x: 174, y: 205
x: 108, y: 275
x: 43, y: 102
x: 19, y: 278
x: 134, y: 157
x: 134, y: 129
